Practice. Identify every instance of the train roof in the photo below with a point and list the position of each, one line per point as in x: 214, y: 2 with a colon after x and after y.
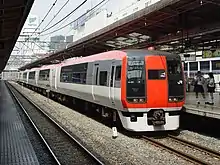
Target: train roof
x: 114, y: 54
x: 144, y: 52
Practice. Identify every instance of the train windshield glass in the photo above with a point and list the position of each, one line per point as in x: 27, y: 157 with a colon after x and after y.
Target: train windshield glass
x: 175, y: 77
x: 174, y: 67
x: 135, y: 78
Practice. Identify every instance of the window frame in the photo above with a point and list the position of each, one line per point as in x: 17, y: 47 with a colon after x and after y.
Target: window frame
x: 46, y: 78
x: 105, y: 82
x: 76, y: 74
x: 25, y: 75
x: 30, y: 76
x: 159, y: 71
x: 214, y: 62
x: 204, y: 69
x: 118, y: 73
x: 196, y: 69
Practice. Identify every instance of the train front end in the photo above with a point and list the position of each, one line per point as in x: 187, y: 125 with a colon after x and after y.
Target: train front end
x: 152, y: 93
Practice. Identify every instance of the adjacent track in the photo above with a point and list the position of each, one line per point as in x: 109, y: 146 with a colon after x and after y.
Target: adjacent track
x: 64, y: 147
x: 187, y: 150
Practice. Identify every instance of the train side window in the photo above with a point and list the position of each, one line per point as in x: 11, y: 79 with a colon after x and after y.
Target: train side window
x: 193, y: 66
x: 216, y: 65
x: 103, y: 78
x: 74, y: 73
x: 185, y: 66
x: 25, y: 75
x: 204, y: 65
x: 118, y: 73
x: 32, y: 75
x: 44, y: 75
x: 96, y: 76
x: 156, y: 74
x: 112, y: 75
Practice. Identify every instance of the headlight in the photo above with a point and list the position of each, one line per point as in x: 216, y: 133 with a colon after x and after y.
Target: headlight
x: 141, y: 100
x: 175, y: 99
x: 135, y: 100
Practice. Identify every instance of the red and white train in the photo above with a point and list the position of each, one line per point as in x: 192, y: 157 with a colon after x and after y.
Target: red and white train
x: 141, y: 88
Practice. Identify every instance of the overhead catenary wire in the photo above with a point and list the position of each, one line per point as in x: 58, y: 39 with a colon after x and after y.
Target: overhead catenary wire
x: 100, y: 3
x: 92, y: 9
x: 42, y: 20
x: 75, y: 19
x: 65, y: 16
x: 53, y: 18
x: 56, y: 14
x: 90, y: 13
x: 44, y: 17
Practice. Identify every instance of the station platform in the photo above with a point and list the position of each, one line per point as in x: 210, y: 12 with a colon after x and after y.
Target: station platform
x: 15, y: 146
x: 212, y: 111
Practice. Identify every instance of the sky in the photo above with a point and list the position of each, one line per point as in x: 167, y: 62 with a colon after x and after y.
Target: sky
x: 41, y: 7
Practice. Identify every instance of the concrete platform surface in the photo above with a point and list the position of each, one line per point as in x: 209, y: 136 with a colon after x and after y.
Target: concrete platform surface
x: 15, y: 146
x: 212, y: 111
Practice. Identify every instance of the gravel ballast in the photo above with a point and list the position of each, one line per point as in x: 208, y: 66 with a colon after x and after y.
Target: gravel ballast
x: 98, y: 137
x: 65, y: 149
x: 207, y: 141
x: 197, y: 153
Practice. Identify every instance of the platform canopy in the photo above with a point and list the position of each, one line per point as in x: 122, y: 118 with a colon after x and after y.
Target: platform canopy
x: 13, y: 14
x: 181, y: 24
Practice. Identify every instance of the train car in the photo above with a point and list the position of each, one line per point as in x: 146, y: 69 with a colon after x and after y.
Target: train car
x: 205, y: 65
x: 10, y: 75
x: 144, y: 89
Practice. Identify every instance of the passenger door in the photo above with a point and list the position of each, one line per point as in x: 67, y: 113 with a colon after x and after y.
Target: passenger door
x: 112, y: 83
x: 53, y: 78
x: 95, y: 80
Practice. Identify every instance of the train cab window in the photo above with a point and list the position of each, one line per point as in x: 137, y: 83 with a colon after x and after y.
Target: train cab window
x: 156, y: 74
x: 175, y: 77
x: 32, y: 75
x: 103, y: 78
x: 174, y: 67
x: 118, y: 73
x: 136, y: 82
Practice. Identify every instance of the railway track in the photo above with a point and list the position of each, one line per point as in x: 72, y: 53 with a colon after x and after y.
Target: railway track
x: 64, y: 148
x: 187, y: 150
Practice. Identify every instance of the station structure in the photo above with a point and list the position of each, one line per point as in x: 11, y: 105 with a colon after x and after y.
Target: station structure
x: 13, y: 16
x: 184, y: 27
x: 179, y: 26
x: 170, y: 25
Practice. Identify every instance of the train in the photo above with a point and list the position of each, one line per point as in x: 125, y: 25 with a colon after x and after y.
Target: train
x: 142, y: 89
x: 205, y: 65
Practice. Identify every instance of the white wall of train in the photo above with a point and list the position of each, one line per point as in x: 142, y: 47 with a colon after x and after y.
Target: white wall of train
x: 49, y: 78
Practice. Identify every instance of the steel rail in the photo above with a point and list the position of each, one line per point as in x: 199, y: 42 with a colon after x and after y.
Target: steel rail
x: 35, y: 127
x: 197, y: 146
x: 60, y: 127
x: 175, y: 151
